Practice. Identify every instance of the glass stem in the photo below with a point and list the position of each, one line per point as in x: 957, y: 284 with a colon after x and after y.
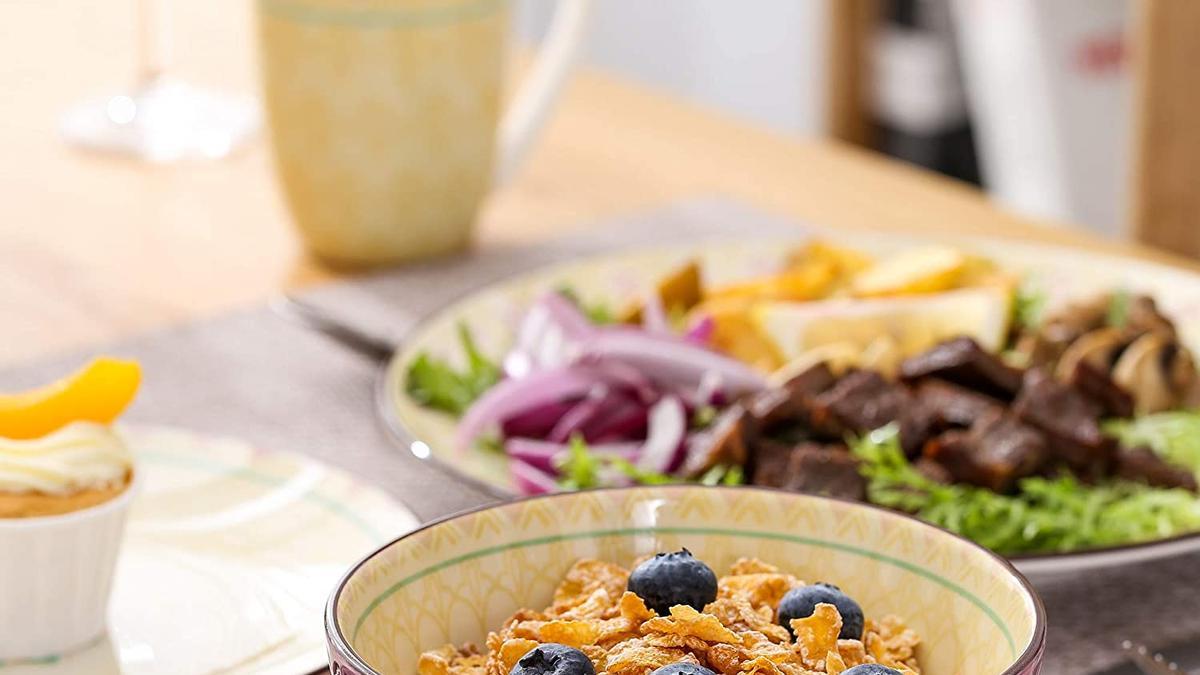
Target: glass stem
x: 154, y: 43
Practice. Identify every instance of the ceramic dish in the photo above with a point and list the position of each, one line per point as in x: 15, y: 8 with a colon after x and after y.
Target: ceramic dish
x: 252, y: 596
x: 490, y: 313
x: 453, y: 580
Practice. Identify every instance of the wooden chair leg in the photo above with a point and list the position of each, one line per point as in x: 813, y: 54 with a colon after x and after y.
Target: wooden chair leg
x: 1165, y: 199
x: 851, y: 23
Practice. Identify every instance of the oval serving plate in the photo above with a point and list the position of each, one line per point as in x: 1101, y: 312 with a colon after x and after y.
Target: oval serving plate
x: 492, y: 311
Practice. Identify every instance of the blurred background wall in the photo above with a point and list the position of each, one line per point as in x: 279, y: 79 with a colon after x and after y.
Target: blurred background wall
x: 1027, y: 97
x: 763, y: 61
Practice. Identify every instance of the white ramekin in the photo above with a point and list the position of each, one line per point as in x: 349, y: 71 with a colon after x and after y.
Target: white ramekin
x: 56, y: 573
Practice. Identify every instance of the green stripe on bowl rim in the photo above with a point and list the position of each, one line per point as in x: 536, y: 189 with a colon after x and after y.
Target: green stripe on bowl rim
x: 701, y: 531
x: 366, y: 17
x: 235, y: 472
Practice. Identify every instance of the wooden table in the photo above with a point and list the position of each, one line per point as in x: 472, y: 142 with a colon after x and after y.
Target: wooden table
x: 95, y: 248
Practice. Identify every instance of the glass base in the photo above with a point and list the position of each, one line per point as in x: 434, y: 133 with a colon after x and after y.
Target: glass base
x: 163, y: 121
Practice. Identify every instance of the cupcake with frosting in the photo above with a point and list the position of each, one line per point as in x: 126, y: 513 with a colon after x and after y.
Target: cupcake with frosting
x: 66, y: 481
x: 77, y: 467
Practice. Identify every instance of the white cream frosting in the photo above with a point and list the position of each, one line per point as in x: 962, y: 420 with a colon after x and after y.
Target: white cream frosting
x: 80, y: 456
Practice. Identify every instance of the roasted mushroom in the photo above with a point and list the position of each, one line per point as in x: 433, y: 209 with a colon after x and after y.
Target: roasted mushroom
x: 1142, y: 316
x: 1156, y: 371
x: 1098, y: 348
x: 1058, y: 332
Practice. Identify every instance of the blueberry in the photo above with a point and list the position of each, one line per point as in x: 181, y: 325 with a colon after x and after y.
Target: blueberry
x: 800, y: 603
x: 683, y: 669
x: 871, y: 669
x: 670, y: 579
x: 554, y: 659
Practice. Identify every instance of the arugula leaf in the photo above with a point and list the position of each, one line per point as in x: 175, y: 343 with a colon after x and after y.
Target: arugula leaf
x: 736, y: 475
x: 580, y: 469
x: 482, y: 372
x: 1029, y: 302
x: 596, y: 312
x: 641, y: 476
x: 599, y: 314
x: 1044, y: 515
x: 705, y: 416
x: 723, y: 474
x: 492, y: 443
x: 1118, y: 309
x: 435, y: 383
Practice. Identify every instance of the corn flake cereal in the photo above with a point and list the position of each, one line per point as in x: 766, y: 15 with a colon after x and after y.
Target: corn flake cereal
x: 736, y: 634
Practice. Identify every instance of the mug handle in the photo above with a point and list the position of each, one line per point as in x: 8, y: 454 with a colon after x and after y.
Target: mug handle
x: 529, y: 109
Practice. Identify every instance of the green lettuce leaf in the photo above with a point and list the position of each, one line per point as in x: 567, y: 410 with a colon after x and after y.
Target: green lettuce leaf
x: 1043, y: 515
x: 1175, y: 436
x: 435, y: 383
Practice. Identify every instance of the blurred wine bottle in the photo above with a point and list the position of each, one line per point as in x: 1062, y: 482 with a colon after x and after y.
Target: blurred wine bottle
x: 917, y: 102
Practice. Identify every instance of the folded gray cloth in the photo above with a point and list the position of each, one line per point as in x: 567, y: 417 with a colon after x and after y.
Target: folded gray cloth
x: 251, y: 375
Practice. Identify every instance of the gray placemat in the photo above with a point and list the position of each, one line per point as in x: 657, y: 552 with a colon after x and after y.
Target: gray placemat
x: 251, y: 375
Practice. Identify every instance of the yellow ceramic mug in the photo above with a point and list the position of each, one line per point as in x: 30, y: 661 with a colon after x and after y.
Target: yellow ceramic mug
x: 384, y: 117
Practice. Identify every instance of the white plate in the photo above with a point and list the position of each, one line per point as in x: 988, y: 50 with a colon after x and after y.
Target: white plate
x: 229, y: 556
x: 1064, y: 273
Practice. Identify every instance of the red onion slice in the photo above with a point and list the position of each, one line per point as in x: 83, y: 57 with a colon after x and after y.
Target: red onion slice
x: 669, y: 360
x: 579, y: 414
x: 545, y: 337
x: 543, y: 454
x: 513, y: 396
x: 531, y: 480
x: 624, y: 375
x: 567, y: 315
x: 654, y: 316
x: 539, y: 454
x: 701, y: 331
x: 536, y: 422
x: 625, y: 420
x: 668, y: 426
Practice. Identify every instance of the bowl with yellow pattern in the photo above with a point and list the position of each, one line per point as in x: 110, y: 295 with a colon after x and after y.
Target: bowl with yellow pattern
x: 455, y: 580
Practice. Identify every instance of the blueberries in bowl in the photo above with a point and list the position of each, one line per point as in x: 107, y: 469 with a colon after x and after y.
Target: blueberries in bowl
x: 871, y: 669
x: 670, y: 579
x: 683, y: 669
x: 554, y: 659
x: 800, y: 603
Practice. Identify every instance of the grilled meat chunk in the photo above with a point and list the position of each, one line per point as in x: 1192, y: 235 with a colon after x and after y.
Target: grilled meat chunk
x: 812, y: 381
x: 859, y: 402
x: 724, y: 442
x: 952, y: 405
x: 769, y: 462
x: 933, y: 471
x: 791, y: 403
x: 963, y: 362
x: 772, y: 407
x: 825, y: 470
x: 997, y: 452
x: 1145, y: 466
x: 1095, y: 384
x: 863, y: 401
x: 917, y: 424
x: 1007, y: 448
x: 812, y: 468
x: 1069, y: 419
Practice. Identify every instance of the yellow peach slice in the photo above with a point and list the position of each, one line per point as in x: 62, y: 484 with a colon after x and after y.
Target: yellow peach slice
x: 97, y: 393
